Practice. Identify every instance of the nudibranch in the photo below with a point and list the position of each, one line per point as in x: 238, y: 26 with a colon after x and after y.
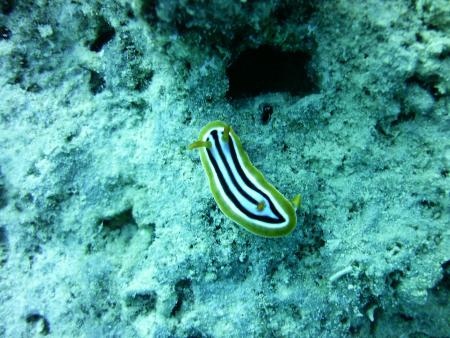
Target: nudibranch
x: 240, y: 190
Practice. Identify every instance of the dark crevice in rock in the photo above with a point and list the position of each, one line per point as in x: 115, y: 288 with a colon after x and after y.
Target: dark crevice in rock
x: 185, y: 295
x: 40, y: 323
x: 442, y: 289
x: 4, y: 246
x: 96, y: 82
x: 105, y: 33
x: 266, y: 113
x: 380, y: 128
x: 404, y: 317
x: 403, y: 117
x: 429, y: 83
x: 141, y: 302
x: 394, y: 278
x: 267, y: 70
x: 148, y: 11
x: 6, y: 6
x: 119, y: 220
x: 5, y: 33
x: 143, y: 78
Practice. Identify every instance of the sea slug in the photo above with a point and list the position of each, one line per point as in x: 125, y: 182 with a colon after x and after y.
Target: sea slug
x: 240, y: 190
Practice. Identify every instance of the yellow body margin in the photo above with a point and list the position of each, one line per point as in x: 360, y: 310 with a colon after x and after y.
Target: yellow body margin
x: 289, y: 207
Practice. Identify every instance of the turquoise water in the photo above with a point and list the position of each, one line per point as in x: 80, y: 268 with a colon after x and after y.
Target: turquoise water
x: 108, y: 227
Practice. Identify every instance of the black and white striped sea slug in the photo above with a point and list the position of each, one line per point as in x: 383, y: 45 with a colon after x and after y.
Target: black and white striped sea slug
x: 240, y: 190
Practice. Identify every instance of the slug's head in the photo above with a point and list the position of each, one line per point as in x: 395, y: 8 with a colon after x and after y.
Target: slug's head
x: 207, y: 144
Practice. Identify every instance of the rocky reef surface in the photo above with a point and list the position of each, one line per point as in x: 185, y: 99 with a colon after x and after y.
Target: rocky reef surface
x: 107, y: 225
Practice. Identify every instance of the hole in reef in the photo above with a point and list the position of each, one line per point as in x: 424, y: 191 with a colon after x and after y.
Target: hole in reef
x: 266, y: 113
x: 96, y: 82
x: 41, y: 323
x: 394, y: 278
x: 405, y: 317
x: 148, y: 11
x: 105, y: 32
x: 441, y: 291
x: 119, y: 220
x: 267, y: 69
x: 5, y: 33
x: 183, y: 289
x: 6, y: 6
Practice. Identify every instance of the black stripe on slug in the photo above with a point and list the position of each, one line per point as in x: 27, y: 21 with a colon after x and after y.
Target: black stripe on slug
x: 227, y: 190
x: 214, y: 135
x: 233, y: 198
x: 249, y: 184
